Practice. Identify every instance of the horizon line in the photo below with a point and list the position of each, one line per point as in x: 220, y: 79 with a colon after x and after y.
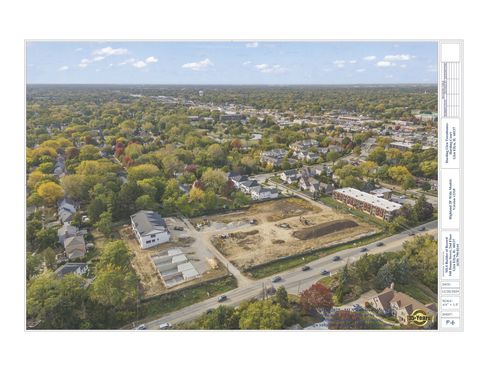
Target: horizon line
x: 233, y: 84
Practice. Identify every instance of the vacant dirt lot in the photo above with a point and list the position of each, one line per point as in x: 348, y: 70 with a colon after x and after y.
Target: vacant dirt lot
x: 282, y: 228
x: 264, y: 212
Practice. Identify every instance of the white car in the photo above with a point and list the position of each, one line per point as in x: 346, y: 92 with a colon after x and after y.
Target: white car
x: 165, y: 326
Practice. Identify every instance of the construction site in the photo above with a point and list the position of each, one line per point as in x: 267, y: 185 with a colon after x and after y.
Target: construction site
x: 177, y: 264
x: 279, y: 228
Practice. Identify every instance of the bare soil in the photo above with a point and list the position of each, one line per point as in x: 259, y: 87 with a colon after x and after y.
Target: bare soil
x: 149, y: 277
x: 309, y: 227
x: 324, y: 229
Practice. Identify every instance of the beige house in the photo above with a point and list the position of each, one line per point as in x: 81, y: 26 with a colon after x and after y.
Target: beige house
x: 399, y: 305
x: 75, y: 247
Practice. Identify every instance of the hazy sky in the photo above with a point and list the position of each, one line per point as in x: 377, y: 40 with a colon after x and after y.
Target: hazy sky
x: 232, y: 62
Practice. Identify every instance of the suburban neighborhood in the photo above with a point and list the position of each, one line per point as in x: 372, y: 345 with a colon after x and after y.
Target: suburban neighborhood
x: 211, y: 207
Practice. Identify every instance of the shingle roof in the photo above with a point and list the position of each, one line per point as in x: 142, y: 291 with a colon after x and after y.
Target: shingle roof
x: 146, y: 221
x: 69, y: 268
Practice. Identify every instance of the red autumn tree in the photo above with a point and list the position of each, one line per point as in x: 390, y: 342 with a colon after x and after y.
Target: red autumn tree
x: 235, y: 144
x: 127, y: 161
x: 317, y: 298
x: 347, y: 320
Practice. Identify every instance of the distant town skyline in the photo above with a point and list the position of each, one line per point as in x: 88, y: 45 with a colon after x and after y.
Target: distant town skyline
x: 231, y: 63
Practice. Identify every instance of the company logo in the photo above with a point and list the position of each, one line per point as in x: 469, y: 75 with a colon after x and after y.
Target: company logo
x: 419, y: 318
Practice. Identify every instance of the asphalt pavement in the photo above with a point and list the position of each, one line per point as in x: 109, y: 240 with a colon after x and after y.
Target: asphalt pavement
x: 294, y: 280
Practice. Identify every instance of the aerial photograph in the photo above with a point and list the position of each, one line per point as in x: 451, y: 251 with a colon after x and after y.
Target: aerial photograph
x: 231, y: 185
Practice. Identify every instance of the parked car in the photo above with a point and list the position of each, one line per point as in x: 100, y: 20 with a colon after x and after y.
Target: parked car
x: 178, y: 228
x: 357, y: 307
x: 421, y: 229
x: 411, y: 233
x: 325, y: 272
x: 141, y: 327
x: 380, y: 244
x: 336, y: 258
x: 276, y: 279
x: 222, y: 298
x: 165, y: 326
x: 364, y: 249
x: 306, y: 268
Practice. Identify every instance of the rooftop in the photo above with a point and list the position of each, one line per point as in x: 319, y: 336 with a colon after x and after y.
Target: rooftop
x: 370, y: 199
x: 147, y: 221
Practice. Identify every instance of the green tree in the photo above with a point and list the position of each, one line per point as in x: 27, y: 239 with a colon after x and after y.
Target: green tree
x: 215, y: 179
x: 221, y: 318
x: 422, y: 210
x: 143, y: 171
x: 33, y: 265
x: 281, y: 297
x: 57, y: 303
x: 89, y: 152
x: 104, y: 224
x: 49, y: 257
x: 115, y: 254
x: 145, y: 202
x: 95, y: 208
x: 46, y: 237
x: 114, y: 287
x: 263, y: 315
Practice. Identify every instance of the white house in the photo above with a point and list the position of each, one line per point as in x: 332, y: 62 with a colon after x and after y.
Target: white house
x: 149, y: 228
x: 248, y: 185
x: 261, y: 193
x: 290, y: 176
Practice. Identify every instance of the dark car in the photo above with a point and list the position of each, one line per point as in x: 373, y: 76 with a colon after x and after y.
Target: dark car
x: 380, y: 244
x: 276, y: 279
x: 364, y: 249
x: 325, y: 272
x: 306, y: 268
x: 357, y: 307
x: 421, y: 229
x: 222, y: 298
x: 177, y: 228
x: 336, y: 258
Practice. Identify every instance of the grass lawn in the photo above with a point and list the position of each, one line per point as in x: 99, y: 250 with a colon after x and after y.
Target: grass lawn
x: 418, y: 291
x: 163, y: 304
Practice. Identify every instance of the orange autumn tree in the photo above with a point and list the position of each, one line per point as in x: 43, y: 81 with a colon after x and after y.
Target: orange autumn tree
x: 317, y: 298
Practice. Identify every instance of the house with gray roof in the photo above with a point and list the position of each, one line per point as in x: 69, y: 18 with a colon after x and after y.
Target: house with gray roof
x: 66, y: 231
x: 75, y: 247
x: 149, y: 228
x: 72, y: 268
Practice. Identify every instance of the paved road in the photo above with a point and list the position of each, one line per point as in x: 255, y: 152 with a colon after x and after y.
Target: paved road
x: 294, y: 280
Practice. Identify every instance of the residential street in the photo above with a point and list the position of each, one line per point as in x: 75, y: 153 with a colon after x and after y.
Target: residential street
x: 294, y: 280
